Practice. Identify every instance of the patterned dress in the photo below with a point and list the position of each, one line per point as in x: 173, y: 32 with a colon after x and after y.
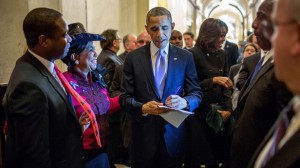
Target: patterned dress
x: 100, y: 103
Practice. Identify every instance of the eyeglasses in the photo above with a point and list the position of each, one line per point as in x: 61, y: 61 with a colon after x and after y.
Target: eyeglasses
x: 266, y: 24
x: 118, y: 39
x: 284, y: 23
x: 143, y: 42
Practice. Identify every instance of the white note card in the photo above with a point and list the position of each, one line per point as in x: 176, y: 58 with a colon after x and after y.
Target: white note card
x: 175, y: 117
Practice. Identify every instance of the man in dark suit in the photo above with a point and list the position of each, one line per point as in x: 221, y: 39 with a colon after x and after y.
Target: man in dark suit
x: 43, y: 130
x: 231, y: 49
x: 261, y: 99
x: 286, y: 44
x: 248, y: 66
x: 108, y: 58
x: 188, y: 40
x: 155, y: 142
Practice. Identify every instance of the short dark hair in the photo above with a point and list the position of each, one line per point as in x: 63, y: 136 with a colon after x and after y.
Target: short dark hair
x: 250, y: 38
x: 190, y: 34
x: 158, y: 11
x: 209, y: 33
x: 40, y: 21
x: 110, y: 35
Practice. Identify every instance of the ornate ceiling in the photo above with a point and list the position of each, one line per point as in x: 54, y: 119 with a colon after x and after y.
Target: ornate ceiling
x: 238, y: 14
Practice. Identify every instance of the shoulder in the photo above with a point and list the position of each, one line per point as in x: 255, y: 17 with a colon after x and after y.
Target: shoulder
x: 28, y: 68
x: 196, y: 51
x: 235, y: 67
x: 141, y: 51
x: 183, y: 54
x: 180, y: 50
x: 230, y: 44
x: 222, y: 52
x: 255, y: 56
x: 104, y: 55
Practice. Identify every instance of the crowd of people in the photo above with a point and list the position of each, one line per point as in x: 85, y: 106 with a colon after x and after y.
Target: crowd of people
x: 110, y: 108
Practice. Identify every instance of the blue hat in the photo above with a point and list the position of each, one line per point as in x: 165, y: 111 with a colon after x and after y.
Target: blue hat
x: 84, y: 38
x: 80, y: 36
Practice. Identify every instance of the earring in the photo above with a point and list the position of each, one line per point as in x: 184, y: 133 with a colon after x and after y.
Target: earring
x: 76, y: 62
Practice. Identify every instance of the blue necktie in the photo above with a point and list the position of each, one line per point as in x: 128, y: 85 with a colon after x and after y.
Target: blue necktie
x: 257, y: 68
x: 160, y: 68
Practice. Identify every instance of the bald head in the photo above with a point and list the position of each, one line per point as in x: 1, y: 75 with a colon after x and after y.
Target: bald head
x: 263, y: 25
x: 129, y: 42
x: 143, y: 39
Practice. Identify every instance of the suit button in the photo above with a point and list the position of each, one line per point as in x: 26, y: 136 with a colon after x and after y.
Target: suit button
x: 82, y: 157
x: 80, y: 137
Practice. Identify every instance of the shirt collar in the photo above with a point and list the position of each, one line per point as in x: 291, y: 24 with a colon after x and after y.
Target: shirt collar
x: 268, y: 55
x: 296, y: 104
x: 48, y: 64
x: 154, y: 49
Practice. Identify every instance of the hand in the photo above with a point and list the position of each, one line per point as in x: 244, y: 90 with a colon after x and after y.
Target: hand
x: 176, y: 102
x: 223, y: 81
x: 152, y: 108
x: 84, y: 121
x: 225, y: 114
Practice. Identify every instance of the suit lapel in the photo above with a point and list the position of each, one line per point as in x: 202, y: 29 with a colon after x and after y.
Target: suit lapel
x: 172, y: 64
x: 146, y: 62
x: 249, y: 85
x: 56, y: 86
x: 288, y: 154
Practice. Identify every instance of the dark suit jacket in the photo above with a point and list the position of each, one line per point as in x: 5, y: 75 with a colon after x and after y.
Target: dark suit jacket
x: 232, y: 51
x: 287, y: 156
x: 139, y: 86
x: 248, y: 66
x: 234, y: 69
x: 115, y: 87
x: 259, y: 105
x: 123, y: 55
x: 109, y: 60
x: 43, y: 130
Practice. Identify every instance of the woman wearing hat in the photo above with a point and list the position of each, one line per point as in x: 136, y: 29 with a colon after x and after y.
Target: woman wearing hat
x: 85, y: 76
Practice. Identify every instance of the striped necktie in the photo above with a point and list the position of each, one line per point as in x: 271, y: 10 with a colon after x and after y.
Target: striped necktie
x: 279, y: 132
x: 160, y: 71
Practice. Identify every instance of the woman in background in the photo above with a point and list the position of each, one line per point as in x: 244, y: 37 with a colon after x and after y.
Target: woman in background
x: 249, y: 49
x: 205, y: 147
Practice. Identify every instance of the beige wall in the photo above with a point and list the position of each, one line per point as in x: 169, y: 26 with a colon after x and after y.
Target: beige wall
x: 12, y: 41
x: 96, y: 15
x: 127, y: 16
